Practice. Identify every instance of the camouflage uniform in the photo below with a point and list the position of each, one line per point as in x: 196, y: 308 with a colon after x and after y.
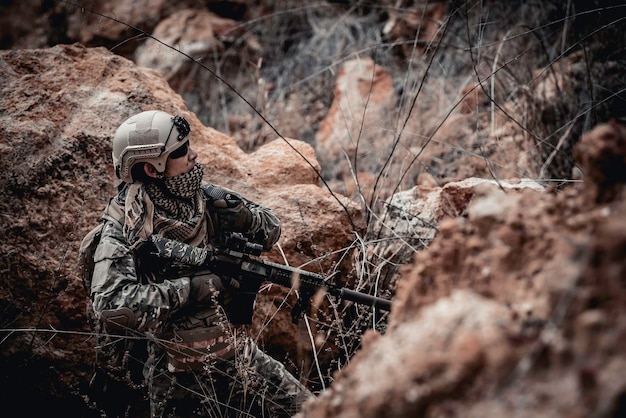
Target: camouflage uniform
x: 190, y: 358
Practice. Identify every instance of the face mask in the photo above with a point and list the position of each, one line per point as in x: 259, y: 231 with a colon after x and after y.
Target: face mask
x: 185, y: 185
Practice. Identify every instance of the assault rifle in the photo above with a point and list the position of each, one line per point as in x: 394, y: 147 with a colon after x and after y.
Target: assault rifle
x: 238, y: 259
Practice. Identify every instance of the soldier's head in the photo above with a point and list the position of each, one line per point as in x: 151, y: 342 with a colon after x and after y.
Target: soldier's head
x: 152, y: 145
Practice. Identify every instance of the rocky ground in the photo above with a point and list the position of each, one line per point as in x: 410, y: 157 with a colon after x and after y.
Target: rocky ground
x: 497, y: 231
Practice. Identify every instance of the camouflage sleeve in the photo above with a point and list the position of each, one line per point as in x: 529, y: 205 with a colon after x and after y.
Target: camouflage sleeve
x: 265, y: 229
x: 115, y: 284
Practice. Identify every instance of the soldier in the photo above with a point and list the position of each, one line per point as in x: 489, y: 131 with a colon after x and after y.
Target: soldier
x: 165, y: 325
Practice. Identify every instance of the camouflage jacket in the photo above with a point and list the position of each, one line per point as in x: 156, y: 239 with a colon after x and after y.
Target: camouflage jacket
x: 151, y: 294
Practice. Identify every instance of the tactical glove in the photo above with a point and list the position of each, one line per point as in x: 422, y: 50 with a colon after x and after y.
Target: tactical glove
x: 205, y: 287
x: 232, y: 214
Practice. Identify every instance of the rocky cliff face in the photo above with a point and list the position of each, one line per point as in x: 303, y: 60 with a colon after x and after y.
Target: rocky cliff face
x: 497, y: 233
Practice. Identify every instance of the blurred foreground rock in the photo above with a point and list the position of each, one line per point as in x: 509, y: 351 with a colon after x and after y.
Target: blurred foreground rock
x: 514, y: 309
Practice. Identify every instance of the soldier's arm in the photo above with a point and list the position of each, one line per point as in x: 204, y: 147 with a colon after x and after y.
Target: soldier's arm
x: 116, y: 290
x: 265, y: 229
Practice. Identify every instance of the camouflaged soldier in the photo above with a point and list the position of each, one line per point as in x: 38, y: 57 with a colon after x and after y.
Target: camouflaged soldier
x: 164, y: 324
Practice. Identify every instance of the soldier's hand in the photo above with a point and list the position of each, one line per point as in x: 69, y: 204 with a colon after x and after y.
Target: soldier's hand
x: 232, y: 214
x: 205, y: 288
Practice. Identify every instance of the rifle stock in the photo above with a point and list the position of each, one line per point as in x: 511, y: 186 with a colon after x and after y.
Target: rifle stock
x: 238, y: 259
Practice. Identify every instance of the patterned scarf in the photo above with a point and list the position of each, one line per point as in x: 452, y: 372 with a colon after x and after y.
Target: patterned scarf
x: 173, y: 209
x: 172, y: 196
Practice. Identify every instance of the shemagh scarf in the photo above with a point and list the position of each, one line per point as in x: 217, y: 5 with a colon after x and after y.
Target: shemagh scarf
x: 174, y: 209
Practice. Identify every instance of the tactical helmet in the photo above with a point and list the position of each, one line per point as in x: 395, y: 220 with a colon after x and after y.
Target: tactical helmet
x: 150, y: 137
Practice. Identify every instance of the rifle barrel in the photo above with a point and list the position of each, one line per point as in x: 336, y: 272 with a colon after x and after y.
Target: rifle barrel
x: 365, y: 299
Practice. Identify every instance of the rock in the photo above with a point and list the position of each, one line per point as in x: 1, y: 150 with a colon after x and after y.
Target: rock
x: 451, y: 346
